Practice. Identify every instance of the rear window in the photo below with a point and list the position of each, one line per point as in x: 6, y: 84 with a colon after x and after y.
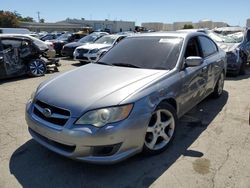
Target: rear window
x: 146, y: 52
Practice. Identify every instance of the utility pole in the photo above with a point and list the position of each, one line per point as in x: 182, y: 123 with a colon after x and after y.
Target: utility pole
x: 38, y: 16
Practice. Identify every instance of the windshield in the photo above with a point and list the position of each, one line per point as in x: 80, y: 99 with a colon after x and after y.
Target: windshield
x: 216, y: 37
x: 64, y: 36
x: 106, y: 40
x: 88, y: 38
x: 145, y: 52
x: 224, y: 38
x: 238, y: 36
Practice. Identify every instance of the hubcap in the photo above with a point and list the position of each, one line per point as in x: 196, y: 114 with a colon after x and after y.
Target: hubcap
x: 37, y: 68
x: 221, y: 84
x: 160, y: 130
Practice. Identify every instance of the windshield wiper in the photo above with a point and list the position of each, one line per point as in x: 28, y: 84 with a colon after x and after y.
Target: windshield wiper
x: 125, y: 65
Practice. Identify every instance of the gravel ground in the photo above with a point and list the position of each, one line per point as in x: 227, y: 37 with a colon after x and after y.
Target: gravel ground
x: 211, y: 147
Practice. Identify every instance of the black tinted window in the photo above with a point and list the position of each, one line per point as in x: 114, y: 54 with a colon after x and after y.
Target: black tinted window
x: 208, y: 47
x: 11, y: 43
x: 145, y: 52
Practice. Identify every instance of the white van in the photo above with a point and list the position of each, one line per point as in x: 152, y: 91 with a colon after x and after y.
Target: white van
x: 14, y: 31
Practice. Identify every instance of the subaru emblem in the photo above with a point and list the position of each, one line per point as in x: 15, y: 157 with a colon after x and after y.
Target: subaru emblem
x: 47, y: 112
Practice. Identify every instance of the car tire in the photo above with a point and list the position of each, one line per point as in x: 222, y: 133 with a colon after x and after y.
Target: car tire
x: 37, y: 67
x: 161, y: 129
x: 218, y: 89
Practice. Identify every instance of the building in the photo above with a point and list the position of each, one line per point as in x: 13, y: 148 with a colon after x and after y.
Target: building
x: 156, y: 26
x: 180, y: 25
x: 112, y: 26
x: 248, y: 23
x: 74, y: 25
x: 159, y: 26
x: 168, y: 27
x: 50, y: 27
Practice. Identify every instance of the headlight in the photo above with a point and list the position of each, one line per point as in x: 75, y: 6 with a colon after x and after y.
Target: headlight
x: 103, y: 116
x: 93, y: 51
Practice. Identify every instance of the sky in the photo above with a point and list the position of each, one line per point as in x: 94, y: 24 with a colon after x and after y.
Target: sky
x: 232, y: 12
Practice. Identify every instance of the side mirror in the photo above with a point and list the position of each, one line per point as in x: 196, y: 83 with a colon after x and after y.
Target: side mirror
x: 193, y: 61
x: 1, y: 58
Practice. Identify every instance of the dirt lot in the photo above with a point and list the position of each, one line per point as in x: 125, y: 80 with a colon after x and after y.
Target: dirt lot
x: 212, y: 152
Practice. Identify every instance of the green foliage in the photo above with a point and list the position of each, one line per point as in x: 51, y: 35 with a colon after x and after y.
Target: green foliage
x: 8, y: 19
x: 12, y: 19
x: 26, y: 19
x: 42, y: 20
x: 188, y: 26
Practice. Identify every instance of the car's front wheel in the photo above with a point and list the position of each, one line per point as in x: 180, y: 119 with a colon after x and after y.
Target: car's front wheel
x: 37, y: 67
x: 161, y: 129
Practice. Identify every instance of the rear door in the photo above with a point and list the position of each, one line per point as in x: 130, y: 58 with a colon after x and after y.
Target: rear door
x: 13, y: 65
x: 213, y: 61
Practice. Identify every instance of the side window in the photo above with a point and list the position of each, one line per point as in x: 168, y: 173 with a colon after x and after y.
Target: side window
x: 208, y: 46
x: 11, y: 43
x: 192, y: 48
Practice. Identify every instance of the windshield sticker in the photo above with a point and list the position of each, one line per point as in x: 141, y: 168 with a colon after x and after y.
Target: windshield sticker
x: 167, y: 40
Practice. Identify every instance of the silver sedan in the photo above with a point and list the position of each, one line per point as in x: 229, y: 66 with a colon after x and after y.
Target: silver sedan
x: 130, y: 100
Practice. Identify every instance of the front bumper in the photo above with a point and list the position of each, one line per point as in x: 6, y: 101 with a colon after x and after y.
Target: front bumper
x: 87, y: 57
x: 109, y: 144
x: 67, y: 52
x: 233, y: 63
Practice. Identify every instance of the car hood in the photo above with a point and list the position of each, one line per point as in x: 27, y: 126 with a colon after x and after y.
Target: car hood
x: 228, y: 47
x: 74, y: 44
x: 94, y: 46
x: 94, y: 86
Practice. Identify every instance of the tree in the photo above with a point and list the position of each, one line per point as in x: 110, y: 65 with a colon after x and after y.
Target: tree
x: 8, y: 19
x: 23, y: 19
x: 188, y: 26
x: 42, y: 20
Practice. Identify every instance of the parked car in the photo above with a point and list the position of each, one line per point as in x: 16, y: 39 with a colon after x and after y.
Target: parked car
x: 50, y: 53
x: 68, y: 49
x: 233, y: 44
x: 14, y: 31
x: 23, y: 54
x: 49, y: 36
x: 129, y: 101
x: 90, y: 52
x: 65, y: 39
x: 237, y: 46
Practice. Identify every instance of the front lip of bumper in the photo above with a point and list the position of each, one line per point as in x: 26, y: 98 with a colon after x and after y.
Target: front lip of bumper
x: 130, y: 133
x: 88, y: 56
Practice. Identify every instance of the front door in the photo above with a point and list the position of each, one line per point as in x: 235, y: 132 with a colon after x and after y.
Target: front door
x: 194, y: 79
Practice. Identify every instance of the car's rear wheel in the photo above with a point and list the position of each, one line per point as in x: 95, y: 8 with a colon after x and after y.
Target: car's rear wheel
x: 161, y: 129
x: 218, y: 90
x: 37, y: 67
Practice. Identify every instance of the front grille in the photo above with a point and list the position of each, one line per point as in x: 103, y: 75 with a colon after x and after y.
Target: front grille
x: 57, y: 116
x: 231, y: 58
x: 82, y: 51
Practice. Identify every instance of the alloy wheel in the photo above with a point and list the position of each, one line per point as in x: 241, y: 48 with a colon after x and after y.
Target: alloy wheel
x: 37, y: 68
x: 160, y: 130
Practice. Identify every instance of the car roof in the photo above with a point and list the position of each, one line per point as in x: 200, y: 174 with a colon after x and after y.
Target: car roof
x: 181, y: 34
